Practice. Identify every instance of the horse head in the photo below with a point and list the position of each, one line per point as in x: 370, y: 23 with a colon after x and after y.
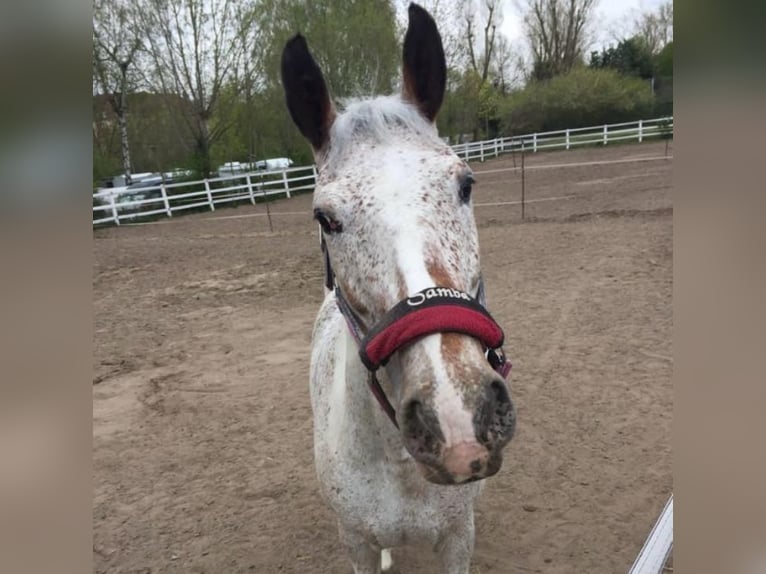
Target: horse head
x: 394, y: 204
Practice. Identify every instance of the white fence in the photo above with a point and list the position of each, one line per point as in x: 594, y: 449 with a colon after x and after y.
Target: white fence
x: 566, y: 139
x: 656, y: 550
x: 128, y: 205
x: 112, y: 206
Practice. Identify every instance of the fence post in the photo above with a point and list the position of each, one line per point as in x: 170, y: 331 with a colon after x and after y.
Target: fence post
x: 268, y: 209
x: 567, y: 138
x: 209, y: 195
x: 496, y: 152
x: 481, y: 150
x: 250, y: 188
x: 606, y: 138
x: 534, y: 143
x: 640, y: 131
x: 314, y: 173
x: 113, y: 205
x: 465, y: 149
x: 284, y: 180
x: 523, y: 182
x: 165, y: 200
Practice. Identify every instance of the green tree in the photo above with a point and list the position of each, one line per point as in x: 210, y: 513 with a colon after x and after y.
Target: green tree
x: 460, y: 111
x: 631, y: 57
x: 354, y: 42
x: 663, y: 62
x: 583, y: 97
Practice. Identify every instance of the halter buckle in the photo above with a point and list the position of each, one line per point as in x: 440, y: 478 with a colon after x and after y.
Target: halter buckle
x: 499, y: 362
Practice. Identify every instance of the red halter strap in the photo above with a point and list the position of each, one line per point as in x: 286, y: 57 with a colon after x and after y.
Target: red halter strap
x: 432, y: 310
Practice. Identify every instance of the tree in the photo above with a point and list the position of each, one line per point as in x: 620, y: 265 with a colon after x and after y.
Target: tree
x: 580, y: 98
x: 448, y: 14
x: 116, y: 46
x: 488, y: 17
x: 195, y: 46
x: 505, y: 66
x: 655, y: 28
x: 631, y: 57
x: 557, y: 34
x: 354, y: 43
x: 663, y: 61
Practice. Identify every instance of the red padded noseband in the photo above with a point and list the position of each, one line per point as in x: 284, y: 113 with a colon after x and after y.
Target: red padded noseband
x: 432, y: 310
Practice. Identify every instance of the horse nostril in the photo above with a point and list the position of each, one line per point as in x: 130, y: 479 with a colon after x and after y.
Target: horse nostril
x: 495, y: 419
x: 421, y: 428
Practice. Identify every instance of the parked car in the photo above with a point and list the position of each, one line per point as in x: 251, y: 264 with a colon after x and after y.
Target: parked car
x: 125, y: 196
x: 274, y: 163
x: 232, y: 168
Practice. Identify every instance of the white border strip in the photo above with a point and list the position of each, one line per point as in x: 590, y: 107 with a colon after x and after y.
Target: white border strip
x: 654, y: 554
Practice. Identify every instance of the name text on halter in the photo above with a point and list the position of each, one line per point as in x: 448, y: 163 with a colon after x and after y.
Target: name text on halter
x: 423, y: 296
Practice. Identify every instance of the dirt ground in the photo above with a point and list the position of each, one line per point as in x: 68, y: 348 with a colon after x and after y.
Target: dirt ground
x: 202, y: 441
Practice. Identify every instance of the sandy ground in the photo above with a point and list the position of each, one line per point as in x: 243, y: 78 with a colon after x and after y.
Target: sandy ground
x: 202, y: 445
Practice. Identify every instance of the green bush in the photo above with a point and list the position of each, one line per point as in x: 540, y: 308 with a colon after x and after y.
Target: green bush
x: 580, y: 98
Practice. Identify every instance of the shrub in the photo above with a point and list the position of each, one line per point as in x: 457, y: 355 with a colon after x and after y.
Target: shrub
x: 580, y: 98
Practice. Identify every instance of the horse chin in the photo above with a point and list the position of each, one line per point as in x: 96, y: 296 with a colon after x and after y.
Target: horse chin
x: 438, y: 475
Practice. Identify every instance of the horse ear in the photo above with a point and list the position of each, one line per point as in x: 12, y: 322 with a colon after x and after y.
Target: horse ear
x: 306, y: 92
x: 425, y: 70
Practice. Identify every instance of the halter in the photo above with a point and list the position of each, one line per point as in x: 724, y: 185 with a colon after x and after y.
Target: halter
x: 432, y: 310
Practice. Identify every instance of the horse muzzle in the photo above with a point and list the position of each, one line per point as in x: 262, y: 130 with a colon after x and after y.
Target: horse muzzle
x: 475, y: 458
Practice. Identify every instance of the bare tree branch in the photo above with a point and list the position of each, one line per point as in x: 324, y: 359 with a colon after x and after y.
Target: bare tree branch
x: 116, y: 46
x: 556, y: 32
x: 197, y: 47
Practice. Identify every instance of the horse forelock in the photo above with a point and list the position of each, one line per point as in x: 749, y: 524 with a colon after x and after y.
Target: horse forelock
x: 381, y: 120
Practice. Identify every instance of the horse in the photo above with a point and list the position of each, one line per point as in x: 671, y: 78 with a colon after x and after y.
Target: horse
x: 410, y: 406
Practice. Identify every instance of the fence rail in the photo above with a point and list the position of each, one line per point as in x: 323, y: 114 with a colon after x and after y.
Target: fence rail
x: 128, y: 205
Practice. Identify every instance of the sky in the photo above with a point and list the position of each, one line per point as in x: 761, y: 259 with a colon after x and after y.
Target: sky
x: 611, y: 16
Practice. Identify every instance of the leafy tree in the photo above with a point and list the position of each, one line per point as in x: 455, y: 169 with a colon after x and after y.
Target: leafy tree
x: 663, y: 62
x: 354, y: 42
x: 663, y: 85
x: 583, y: 97
x: 630, y: 57
x: 160, y: 138
x: 460, y: 110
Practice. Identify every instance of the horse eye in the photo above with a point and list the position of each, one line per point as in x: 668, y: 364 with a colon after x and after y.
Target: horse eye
x: 466, y: 186
x: 328, y: 224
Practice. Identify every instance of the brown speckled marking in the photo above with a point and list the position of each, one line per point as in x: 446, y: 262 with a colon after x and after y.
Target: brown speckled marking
x: 439, y: 274
x: 452, y: 346
x: 463, y: 356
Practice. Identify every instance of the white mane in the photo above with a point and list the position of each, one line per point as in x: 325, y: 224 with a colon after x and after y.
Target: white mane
x: 380, y: 120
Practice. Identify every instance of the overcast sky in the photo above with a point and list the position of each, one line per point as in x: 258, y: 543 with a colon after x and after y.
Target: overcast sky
x: 611, y: 16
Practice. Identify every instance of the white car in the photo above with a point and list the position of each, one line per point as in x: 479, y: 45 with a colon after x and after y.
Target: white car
x: 274, y: 163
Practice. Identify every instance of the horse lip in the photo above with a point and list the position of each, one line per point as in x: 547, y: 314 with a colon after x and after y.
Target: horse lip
x: 436, y: 475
